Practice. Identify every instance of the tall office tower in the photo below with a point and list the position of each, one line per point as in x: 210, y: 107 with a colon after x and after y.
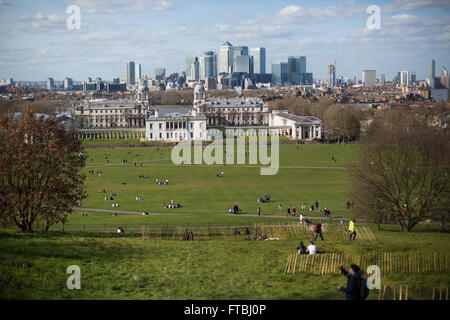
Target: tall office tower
x: 413, y: 78
x: 50, y: 84
x: 296, y: 67
x: 432, y: 73
x: 404, y: 78
x: 280, y: 73
x: 383, y: 79
x: 331, y: 76
x: 160, y: 74
x: 123, y: 76
x: 240, y: 51
x: 131, y: 76
x: 226, y: 58
x: 138, y: 73
x: 242, y: 64
x: 444, y: 77
x: 68, y: 84
x: 259, y: 60
x: 214, y: 62
x: 192, y: 69
x: 369, y: 78
x: 206, y: 67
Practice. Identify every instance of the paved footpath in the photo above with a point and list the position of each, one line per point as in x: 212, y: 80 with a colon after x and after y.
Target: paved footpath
x: 170, y: 213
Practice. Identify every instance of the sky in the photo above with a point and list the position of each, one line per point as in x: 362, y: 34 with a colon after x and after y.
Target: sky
x: 35, y: 42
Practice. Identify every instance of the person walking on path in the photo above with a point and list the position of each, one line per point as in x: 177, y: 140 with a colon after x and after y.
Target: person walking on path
x: 259, y: 211
x: 318, y: 230
x: 352, y: 291
x: 351, y: 229
x: 317, y: 205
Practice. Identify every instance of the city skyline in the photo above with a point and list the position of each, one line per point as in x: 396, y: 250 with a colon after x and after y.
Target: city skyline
x: 36, y: 44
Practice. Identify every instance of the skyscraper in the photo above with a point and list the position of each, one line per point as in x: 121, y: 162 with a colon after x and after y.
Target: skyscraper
x: 214, y: 63
x: 138, y: 73
x: 50, y: 84
x: 383, y: 79
x: 432, y: 73
x: 279, y: 73
x: 404, y: 78
x: 242, y: 64
x: 240, y: 51
x: 131, y: 73
x: 369, y: 78
x: 192, y: 69
x: 296, y: 67
x: 259, y: 60
x: 226, y: 58
x: 68, y: 84
x: 331, y: 76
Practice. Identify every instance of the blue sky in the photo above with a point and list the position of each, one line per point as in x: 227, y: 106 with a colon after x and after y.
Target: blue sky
x: 35, y: 43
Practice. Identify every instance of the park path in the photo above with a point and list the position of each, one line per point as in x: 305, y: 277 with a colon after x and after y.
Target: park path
x: 169, y: 213
x: 99, y: 165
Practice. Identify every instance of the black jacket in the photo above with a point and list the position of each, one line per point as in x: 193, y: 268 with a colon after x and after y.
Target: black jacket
x: 352, y: 291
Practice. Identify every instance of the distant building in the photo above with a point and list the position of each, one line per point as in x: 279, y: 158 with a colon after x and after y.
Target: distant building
x: 168, y: 124
x: 192, y: 69
x: 226, y: 58
x: 259, y: 60
x: 404, y: 78
x: 68, y: 84
x: 369, y: 78
x: 280, y: 73
x: 298, y: 127
x: 296, y: 67
x: 102, y: 113
x: 50, y: 84
x: 331, y: 76
x: 131, y: 73
x: 231, y: 112
x: 138, y: 73
x: 432, y: 73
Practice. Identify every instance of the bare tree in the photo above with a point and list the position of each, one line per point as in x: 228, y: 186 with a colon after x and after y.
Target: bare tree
x: 403, y: 170
x: 40, y: 177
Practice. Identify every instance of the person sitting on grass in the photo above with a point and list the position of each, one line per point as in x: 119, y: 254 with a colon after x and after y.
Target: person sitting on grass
x: 352, y: 291
x: 301, y: 249
x: 312, y: 248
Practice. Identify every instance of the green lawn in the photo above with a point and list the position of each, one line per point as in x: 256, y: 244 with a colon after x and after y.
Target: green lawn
x: 113, y: 267
x: 33, y: 266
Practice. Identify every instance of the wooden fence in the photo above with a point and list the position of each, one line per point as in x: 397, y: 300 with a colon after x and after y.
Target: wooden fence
x: 402, y: 292
x: 292, y: 231
x: 389, y: 262
x: 296, y: 231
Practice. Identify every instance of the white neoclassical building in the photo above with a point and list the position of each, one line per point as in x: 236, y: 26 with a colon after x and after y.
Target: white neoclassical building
x: 298, y: 127
x: 231, y: 112
x: 119, y: 114
x: 168, y: 124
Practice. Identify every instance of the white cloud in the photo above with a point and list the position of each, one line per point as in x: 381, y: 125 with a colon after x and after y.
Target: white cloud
x: 416, y: 5
x: 120, y: 6
x: 297, y: 15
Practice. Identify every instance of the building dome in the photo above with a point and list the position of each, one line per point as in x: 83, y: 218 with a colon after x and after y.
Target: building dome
x: 199, y: 93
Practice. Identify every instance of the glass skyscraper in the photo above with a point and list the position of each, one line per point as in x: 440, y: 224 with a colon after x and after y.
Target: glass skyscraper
x: 279, y: 73
x: 296, y: 67
x: 131, y: 73
x: 259, y: 60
